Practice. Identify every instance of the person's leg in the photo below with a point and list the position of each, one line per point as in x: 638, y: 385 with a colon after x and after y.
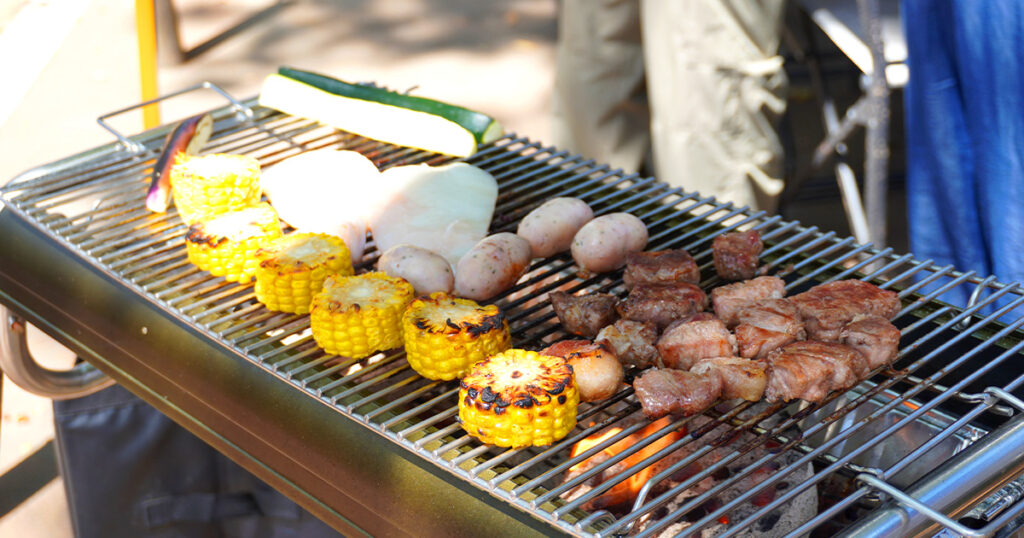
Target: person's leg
x: 716, y: 86
x: 599, y: 104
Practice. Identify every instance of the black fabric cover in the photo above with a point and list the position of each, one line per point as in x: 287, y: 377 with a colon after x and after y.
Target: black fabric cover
x: 130, y: 471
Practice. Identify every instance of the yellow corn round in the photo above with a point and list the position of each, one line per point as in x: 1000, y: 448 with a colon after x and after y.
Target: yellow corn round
x: 519, y: 398
x: 357, y: 316
x: 292, y: 268
x: 226, y: 244
x: 445, y: 335
x: 211, y: 184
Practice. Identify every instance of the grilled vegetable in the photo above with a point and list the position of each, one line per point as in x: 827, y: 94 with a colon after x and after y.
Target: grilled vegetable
x: 213, y: 184
x: 427, y: 271
x: 551, y: 226
x: 291, y: 269
x: 444, y: 335
x: 597, y: 371
x: 357, y: 316
x: 380, y: 114
x: 187, y: 138
x: 226, y: 244
x: 518, y: 398
x: 603, y: 244
x: 492, y: 266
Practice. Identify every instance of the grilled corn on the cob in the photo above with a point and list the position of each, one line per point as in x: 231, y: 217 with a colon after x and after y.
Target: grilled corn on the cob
x: 357, y: 316
x: 519, y: 398
x: 211, y: 184
x: 292, y: 268
x: 226, y: 244
x: 445, y: 335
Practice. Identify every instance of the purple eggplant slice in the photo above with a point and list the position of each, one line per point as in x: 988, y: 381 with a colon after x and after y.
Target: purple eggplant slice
x: 187, y: 138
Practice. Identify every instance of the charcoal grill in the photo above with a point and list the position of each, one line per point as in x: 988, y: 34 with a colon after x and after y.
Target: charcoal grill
x: 368, y: 445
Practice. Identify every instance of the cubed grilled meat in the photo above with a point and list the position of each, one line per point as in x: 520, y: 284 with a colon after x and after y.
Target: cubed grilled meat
x: 684, y: 343
x: 664, y: 391
x: 631, y: 341
x: 741, y: 378
x: 767, y: 325
x: 810, y: 370
x: 584, y: 315
x: 874, y: 337
x: 660, y: 266
x: 737, y: 254
x: 827, y: 308
x: 731, y: 299
x: 662, y: 303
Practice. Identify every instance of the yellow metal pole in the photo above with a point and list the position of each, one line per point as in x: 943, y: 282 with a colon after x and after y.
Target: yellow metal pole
x: 145, y: 29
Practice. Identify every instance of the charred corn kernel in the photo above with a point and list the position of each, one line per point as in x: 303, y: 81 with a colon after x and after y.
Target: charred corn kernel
x: 357, y: 316
x: 445, y: 335
x: 291, y: 269
x: 211, y: 184
x: 519, y: 398
x: 226, y: 244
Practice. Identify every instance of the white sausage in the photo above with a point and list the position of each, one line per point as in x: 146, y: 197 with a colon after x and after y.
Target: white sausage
x: 551, y: 226
x: 492, y: 266
x: 426, y: 270
x: 602, y: 244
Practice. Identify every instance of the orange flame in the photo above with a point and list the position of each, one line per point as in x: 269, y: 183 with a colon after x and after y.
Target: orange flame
x: 626, y: 490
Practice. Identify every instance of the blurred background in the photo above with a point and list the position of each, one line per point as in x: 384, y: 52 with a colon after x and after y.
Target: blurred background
x: 66, y: 62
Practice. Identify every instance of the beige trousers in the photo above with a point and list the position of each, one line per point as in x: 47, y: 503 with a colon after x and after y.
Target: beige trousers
x: 699, y: 83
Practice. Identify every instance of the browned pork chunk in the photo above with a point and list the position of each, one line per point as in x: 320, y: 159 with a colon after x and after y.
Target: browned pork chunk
x: 874, y: 337
x: 731, y: 299
x: 766, y: 326
x: 584, y: 315
x: 662, y: 303
x: 631, y: 341
x: 827, y: 308
x: 741, y: 378
x: 660, y: 266
x: 663, y: 391
x: 684, y: 343
x: 810, y: 370
x: 737, y: 254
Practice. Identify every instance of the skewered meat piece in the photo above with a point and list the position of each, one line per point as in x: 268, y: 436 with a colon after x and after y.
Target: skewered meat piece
x: 736, y: 254
x: 660, y: 266
x: 741, y: 378
x: 664, y: 391
x: 810, y: 370
x: 584, y: 315
x: 768, y: 325
x: 684, y: 343
x: 827, y: 308
x: 874, y: 337
x: 662, y: 303
x: 731, y: 299
x: 631, y: 341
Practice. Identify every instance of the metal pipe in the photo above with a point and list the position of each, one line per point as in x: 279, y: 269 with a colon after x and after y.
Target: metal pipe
x: 964, y: 480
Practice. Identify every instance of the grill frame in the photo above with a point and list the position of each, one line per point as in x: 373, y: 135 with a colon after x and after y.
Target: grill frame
x: 607, y: 189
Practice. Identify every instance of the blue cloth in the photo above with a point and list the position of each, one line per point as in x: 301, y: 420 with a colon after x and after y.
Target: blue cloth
x: 965, y: 135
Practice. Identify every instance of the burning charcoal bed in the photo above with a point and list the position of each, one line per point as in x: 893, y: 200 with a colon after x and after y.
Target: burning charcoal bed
x: 368, y: 445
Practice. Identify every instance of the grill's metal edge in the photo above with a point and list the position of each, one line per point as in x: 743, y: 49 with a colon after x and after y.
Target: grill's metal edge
x: 396, y: 469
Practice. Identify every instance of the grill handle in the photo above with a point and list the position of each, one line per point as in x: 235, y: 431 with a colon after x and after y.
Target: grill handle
x: 969, y: 477
x: 243, y: 112
x: 17, y: 363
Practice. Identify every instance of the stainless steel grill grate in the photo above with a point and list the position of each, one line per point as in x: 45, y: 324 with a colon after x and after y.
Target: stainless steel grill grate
x: 94, y: 206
